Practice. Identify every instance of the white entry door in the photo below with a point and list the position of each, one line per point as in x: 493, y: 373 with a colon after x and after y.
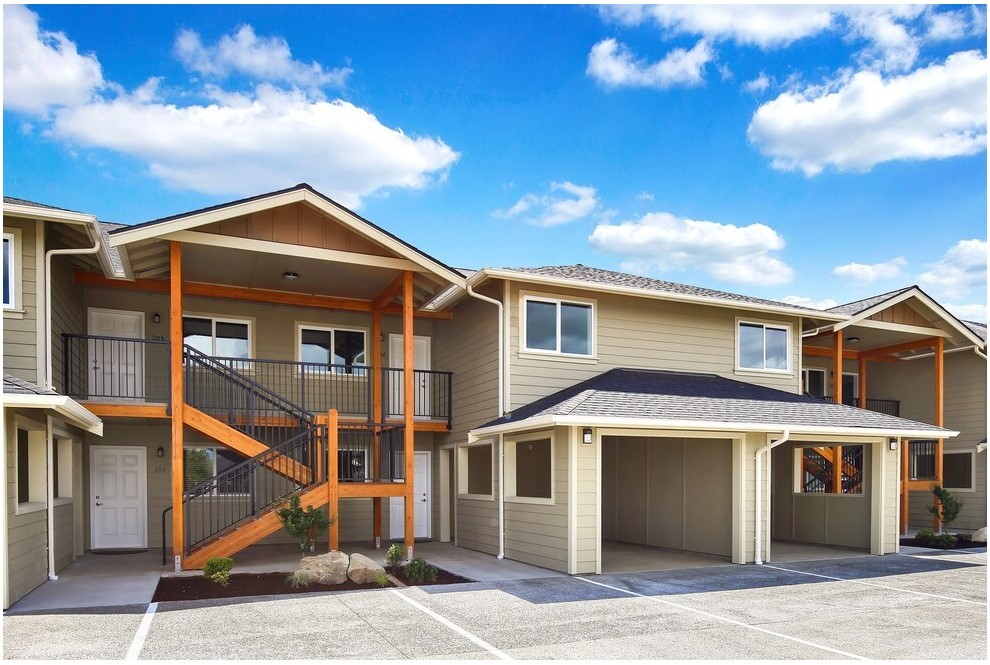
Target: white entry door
x: 421, y: 497
x: 119, y: 487
x: 422, y: 384
x: 116, y: 368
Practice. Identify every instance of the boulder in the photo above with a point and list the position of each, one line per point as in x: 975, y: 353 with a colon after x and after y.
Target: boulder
x: 329, y: 568
x: 979, y: 536
x: 364, y: 570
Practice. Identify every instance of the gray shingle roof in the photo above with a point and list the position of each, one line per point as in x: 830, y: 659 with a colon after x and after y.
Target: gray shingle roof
x: 671, y: 396
x: 979, y: 329
x: 581, y: 273
x: 15, y: 386
x: 33, y: 204
x: 854, y: 308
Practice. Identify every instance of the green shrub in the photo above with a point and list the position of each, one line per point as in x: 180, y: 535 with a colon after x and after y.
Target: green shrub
x: 925, y: 535
x: 298, y: 579
x: 394, y: 555
x: 305, y: 525
x: 217, y: 569
x: 941, y: 541
x: 418, y: 571
x: 946, y: 507
x: 382, y: 580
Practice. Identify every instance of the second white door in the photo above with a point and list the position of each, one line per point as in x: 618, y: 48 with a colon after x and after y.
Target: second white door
x: 422, y: 383
x: 116, y: 366
x: 421, y: 498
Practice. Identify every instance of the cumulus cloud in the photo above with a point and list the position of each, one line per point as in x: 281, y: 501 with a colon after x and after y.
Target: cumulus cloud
x: 613, y: 65
x: 259, y: 141
x: 864, y: 119
x: 970, y: 312
x: 262, y: 58
x: 43, y: 69
x: 801, y: 301
x: 662, y: 241
x: 757, y: 86
x: 552, y: 209
x: 866, y: 273
x: 961, y: 270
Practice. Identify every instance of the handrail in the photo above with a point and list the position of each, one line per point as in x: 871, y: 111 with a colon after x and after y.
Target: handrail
x: 164, y: 551
x: 98, y: 367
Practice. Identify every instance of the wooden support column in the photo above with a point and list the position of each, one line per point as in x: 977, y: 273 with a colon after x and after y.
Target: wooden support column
x: 939, y: 362
x: 376, y: 416
x: 177, y: 400
x: 837, y: 369
x: 408, y: 406
x: 837, y: 470
x: 862, y: 382
x: 333, y: 485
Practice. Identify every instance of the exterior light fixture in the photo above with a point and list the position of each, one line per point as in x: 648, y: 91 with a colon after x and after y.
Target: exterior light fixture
x: 161, y: 451
x: 852, y: 340
x: 892, y: 444
x: 291, y: 276
x: 156, y: 317
x: 586, y: 436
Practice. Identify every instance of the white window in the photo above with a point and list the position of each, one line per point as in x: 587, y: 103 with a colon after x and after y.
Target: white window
x: 958, y: 471
x: 218, y: 337
x: 558, y: 326
x: 338, y: 350
x: 763, y: 346
x: 529, y: 475
x: 813, y: 382
x: 10, y: 268
x: 32, y: 472
x: 476, y: 471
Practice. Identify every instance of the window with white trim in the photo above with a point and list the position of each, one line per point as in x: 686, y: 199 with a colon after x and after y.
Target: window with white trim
x: 218, y: 337
x: 529, y: 470
x: 62, y: 468
x: 9, y: 271
x: 813, y: 382
x: 764, y: 346
x: 31, y: 478
x: 475, y: 471
x: 557, y: 326
x: 957, y: 470
x: 340, y: 350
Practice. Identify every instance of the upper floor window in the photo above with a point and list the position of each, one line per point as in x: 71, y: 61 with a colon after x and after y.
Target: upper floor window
x: 222, y: 338
x: 342, y: 348
x: 764, y: 346
x: 558, y: 326
x: 9, y: 268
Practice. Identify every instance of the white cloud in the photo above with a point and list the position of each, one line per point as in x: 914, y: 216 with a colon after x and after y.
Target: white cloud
x: 246, y: 143
x: 42, y: 69
x: 892, y: 44
x: 742, y: 254
x: 612, y: 64
x: 864, y: 119
x: 758, y: 85
x: 263, y: 58
x: 550, y: 210
x: 800, y: 301
x: 961, y: 270
x: 645, y: 196
x: 866, y: 273
x: 970, y: 312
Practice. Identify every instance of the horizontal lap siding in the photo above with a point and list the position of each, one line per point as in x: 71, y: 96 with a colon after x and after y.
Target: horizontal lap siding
x: 20, y: 333
x: 63, y: 536
x: 27, y: 534
x: 68, y: 313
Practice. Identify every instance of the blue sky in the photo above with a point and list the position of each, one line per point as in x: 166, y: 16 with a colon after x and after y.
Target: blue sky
x: 799, y: 153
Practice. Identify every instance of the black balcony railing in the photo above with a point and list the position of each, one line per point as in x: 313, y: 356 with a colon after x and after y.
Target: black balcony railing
x: 116, y: 369
x: 356, y: 446
x: 890, y: 407
x: 431, y: 394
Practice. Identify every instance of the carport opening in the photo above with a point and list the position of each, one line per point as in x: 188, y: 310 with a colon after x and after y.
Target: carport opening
x: 820, y: 496
x: 666, y: 502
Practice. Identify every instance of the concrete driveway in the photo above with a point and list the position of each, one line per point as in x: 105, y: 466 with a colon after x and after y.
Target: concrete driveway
x: 893, y: 607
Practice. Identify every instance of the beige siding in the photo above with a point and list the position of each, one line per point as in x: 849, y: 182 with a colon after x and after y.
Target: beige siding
x: 27, y: 534
x: 20, y: 328
x: 68, y: 313
x: 586, y: 506
x: 641, y: 333
x: 63, y: 536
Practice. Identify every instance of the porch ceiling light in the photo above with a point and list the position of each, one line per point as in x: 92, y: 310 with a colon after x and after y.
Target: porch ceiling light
x: 290, y: 276
x: 852, y: 340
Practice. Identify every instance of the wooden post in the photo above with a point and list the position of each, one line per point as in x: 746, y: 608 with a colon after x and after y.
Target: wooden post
x: 837, y: 470
x: 837, y: 369
x: 905, y: 476
x: 177, y: 400
x: 939, y: 361
x: 376, y: 416
x: 408, y: 406
x: 333, y: 487
x: 862, y: 382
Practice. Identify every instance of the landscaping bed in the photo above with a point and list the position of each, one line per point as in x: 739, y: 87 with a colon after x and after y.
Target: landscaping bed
x: 443, y: 577
x: 962, y: 543
x: 197, y: 587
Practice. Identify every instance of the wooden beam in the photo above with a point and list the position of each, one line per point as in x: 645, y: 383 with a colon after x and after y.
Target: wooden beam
x: 387, y: 294
x: 177, y: 401
x: 939, y: 359
x: 837, y: 470
x: 928, y: 342
x: 376, y: 416
x: 127, y: 410
x: 862, y: 383
x: 408, y: 408
x: 200, y: 289
x: 826, y: 352
x: 333, y: 479
x: 372, y: 490
x: 837, y: 368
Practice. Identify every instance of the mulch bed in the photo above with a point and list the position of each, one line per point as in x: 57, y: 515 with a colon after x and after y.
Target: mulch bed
x: 962, y: 543
x: 197, y: 587
x: 443, y: 577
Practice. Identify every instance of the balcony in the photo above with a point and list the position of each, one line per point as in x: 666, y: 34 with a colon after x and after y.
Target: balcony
x: 890, y: 407
x: 121, y: 371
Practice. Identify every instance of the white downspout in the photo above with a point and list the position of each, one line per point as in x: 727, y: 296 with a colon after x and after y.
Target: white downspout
x: 501, y: 410
x: 49, y: 382
x: 757, y: 553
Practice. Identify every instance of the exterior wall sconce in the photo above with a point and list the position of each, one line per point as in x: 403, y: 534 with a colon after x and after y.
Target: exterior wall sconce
x: 160, y: 452
x: 156, y: 317
x: 586, y: 436
x: 892, y: 444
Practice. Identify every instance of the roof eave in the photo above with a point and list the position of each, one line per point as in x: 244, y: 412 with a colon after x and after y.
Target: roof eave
x: 68, y: 408
x: 47, y: 214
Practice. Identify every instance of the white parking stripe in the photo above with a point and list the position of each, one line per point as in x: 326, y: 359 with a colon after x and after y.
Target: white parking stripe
x: 725, y: 619
x: 454, y: 627
x: 879, y: 586
x: 142, y: 633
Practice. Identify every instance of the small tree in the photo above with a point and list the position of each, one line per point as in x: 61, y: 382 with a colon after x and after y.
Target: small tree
x: 305, y: 525
x: 946, y: 507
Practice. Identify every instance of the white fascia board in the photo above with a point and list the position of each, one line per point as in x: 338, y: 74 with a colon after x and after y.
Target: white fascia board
x: 925, y: 299
x: 480, y: 276
x: 66, y: 407
x: 711, y: 426
x: 47, y: 214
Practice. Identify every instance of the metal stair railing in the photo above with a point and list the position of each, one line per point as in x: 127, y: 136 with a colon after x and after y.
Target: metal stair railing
x: 215, y: 388
x: 246, y: 490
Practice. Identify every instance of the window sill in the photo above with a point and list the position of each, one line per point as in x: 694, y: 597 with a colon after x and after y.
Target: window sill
x: 745, y: 371
x: 558, y: 357
x: 539, y: 501
x: 13, y: 313
x: 31, y: 507
x: 477, y: 497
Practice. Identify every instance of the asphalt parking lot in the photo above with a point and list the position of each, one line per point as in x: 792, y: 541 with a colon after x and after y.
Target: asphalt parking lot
x: 894, y: 607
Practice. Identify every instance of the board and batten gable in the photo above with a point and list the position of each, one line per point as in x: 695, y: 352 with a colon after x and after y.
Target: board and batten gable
x: 643, y: 333
x: 20, y: 324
